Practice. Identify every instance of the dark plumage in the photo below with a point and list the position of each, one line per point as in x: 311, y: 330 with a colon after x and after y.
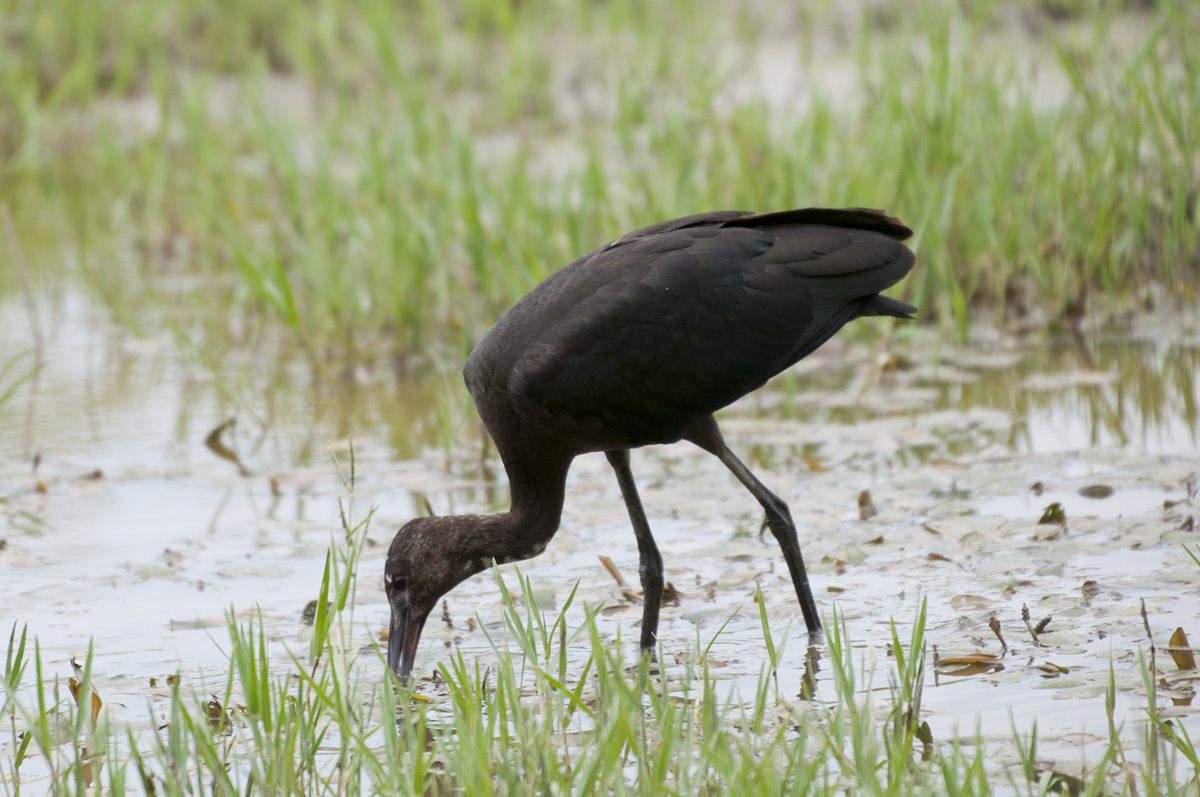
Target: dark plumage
x: 639, y: 343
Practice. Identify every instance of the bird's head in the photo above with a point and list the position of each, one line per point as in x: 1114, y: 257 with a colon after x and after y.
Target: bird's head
x: 423, y: 564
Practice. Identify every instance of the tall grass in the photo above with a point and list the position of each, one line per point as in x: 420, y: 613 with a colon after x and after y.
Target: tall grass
x: 380, y: 178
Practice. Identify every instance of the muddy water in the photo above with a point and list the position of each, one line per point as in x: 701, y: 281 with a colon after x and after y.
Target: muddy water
x: 134, y: 536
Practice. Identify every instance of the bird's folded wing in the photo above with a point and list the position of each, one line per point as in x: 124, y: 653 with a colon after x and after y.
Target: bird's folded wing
x: 668, y: 327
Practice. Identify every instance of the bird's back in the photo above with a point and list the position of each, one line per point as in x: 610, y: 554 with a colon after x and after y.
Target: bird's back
x: 637, y: 341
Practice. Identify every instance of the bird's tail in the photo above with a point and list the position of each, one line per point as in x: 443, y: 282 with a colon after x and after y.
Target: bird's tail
x: 885, y: 305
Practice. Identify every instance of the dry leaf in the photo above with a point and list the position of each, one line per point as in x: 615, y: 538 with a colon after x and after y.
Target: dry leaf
x: 1050, y: 534
x: 73, y: 685
x: 612, y: 570
x: 974, y: 658
x: 965, y: 602
x: 1167, y: 712
x: 973, y: 668
x: 1052, y: 669
x: 814, y: 465
x: 866, y: 509
x: 1181, y: 652
x: 215, y: 712
x: 671, y: 594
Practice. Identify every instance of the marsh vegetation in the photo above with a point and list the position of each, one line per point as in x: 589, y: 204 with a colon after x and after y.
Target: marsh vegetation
x: 302, y: 215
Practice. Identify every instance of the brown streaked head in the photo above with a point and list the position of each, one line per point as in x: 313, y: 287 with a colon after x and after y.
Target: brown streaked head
x: 423, y: 564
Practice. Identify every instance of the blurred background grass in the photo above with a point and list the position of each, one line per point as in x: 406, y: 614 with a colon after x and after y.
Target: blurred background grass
x: 376, y: 181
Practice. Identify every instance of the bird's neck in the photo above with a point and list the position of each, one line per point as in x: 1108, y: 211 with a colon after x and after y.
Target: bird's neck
x: 537, y: 480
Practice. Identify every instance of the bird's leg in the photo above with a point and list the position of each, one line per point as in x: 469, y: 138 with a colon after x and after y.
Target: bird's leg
x: 650, y: 566
x: 779, y: 520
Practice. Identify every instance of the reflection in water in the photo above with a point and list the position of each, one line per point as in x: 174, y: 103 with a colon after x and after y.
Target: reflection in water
x: 1127, y: 502
x: 103, y: 389
x: 1148, y: 399
x: 105, y: 393
x: 1047, y: 397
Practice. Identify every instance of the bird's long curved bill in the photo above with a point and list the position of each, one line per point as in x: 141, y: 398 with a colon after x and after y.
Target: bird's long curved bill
x: 403, y: 638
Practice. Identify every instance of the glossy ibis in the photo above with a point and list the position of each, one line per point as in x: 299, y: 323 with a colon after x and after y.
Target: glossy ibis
x: 639, y: 343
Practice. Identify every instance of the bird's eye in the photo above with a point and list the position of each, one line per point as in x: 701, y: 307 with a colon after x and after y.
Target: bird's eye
x: 399, y: 583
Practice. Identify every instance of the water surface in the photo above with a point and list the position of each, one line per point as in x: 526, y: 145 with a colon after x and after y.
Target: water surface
x: 133, y: 536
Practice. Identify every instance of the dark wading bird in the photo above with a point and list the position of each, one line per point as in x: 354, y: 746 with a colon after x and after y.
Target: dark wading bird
x: 635, y: 344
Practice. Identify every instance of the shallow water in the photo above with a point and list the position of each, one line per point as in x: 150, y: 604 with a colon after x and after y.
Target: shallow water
x: 143, y: 558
